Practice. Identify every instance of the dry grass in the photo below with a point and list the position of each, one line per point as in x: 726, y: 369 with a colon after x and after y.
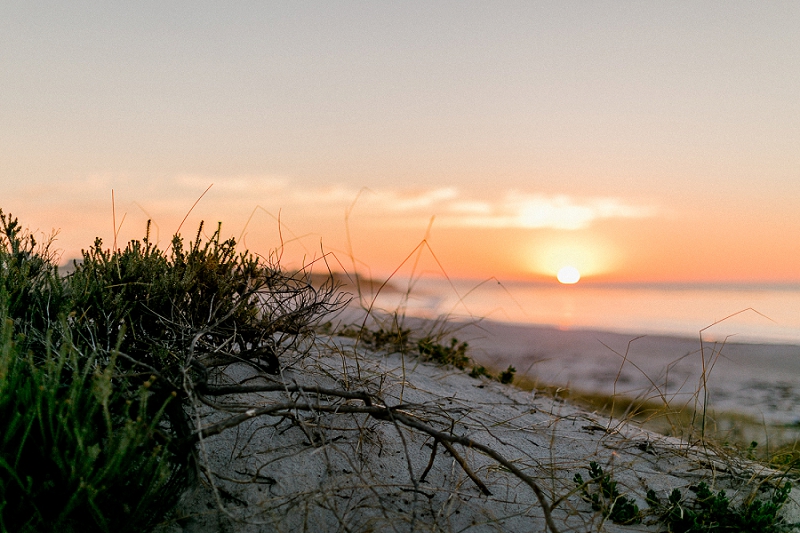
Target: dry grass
x: 739, y: 434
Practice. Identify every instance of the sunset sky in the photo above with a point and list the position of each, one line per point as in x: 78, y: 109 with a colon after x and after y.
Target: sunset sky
x: 635, y: 141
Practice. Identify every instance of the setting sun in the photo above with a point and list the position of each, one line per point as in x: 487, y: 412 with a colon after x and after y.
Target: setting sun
x: 568, y: 275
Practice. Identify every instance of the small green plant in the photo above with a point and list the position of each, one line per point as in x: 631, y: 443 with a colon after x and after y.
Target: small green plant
x: 454, y: 353
x: 396, y: 338
x: 478, y: 371
x: 507, y: 376
x: 606, y: 498
x: 710, y: 512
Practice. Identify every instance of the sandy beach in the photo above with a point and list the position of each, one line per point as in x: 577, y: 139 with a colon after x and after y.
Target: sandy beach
x: 328, y: 465
x: 757, y: 379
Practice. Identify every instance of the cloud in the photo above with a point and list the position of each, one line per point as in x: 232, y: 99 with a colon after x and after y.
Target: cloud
x: 397, y: 201
x: 281, y: 190
x: 531, y: 211
x: 384, y: 206
x: 452, y: 208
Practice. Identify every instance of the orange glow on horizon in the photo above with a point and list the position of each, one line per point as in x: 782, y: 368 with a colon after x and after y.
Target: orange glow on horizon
x: 685, y: 248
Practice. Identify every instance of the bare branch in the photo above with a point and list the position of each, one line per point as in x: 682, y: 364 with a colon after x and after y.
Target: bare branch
x: 381, y: 412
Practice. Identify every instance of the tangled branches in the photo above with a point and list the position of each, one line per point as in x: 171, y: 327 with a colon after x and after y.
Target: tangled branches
x: 341, y: 418
x: 178, y: 316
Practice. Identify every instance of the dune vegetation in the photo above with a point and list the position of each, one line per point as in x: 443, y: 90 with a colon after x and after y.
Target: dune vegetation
x: 98, y: 369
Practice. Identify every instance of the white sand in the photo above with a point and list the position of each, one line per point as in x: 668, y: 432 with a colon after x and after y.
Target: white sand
x: 320, y: 471
x: 755, y: 379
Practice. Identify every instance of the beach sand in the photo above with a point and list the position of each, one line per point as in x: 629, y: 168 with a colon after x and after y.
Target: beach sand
x: 317, y: 470
x: 760, y: 380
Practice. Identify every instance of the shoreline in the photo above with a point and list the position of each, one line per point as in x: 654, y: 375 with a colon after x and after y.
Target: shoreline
x: 743, y: 381
x: 754, y: 379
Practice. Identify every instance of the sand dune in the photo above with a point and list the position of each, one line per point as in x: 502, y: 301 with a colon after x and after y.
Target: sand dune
x: 317, y: 464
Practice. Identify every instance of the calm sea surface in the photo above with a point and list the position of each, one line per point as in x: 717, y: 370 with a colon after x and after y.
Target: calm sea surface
x: 746, y: 313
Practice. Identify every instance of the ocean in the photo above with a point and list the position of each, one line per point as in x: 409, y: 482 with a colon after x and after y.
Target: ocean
x: 750, y: 313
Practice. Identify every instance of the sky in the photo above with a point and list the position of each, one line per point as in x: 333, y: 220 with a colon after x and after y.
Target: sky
x: 635, y: 141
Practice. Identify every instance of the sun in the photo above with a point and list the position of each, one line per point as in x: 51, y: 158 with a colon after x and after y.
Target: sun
x: 572, y: 258
x: 568, y: 275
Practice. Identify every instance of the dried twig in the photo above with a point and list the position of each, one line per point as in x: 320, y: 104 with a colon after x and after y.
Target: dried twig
x: 379, y: 412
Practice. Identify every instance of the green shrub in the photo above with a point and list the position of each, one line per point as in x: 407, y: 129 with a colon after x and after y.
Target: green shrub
x: 478, y: 371
x: 31, y: 289
x: 606, y: 498
x: 163, y: 299
x: 507, y: 376
x: 713, y: 512
x: 453, y: 354
x: 75, y: 454
x: 100, y: 369
x: 77, y: 451
x: 179, y: 314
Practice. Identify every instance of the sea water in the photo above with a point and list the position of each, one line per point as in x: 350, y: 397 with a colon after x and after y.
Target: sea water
x: 754, y: 313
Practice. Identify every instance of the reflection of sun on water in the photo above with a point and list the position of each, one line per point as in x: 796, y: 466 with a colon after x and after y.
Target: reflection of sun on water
x: 568, y: 275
